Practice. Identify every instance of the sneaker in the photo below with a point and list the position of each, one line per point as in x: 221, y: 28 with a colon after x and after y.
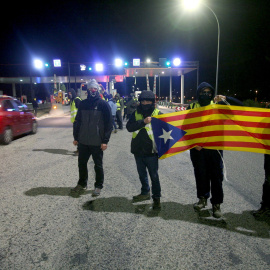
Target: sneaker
x: 141, y: 197
x: 264, y: 211
x: 96, y: 192
x: 200, y: 204
x: 156, y: 204
x: 216, y: 211
x: 78, y: 189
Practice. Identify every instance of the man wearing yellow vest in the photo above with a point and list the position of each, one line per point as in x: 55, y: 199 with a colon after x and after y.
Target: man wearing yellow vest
x: 74, y: 105
x: 144, y: 148
x: 120, y: 106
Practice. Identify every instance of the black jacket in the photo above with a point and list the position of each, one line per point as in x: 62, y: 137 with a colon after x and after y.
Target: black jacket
x: 93, y: 122
x: 230, y: 100
x: 142, y: 145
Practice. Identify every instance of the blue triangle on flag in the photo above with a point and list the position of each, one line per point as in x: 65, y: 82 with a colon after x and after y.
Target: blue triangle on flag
x: 166, y: 135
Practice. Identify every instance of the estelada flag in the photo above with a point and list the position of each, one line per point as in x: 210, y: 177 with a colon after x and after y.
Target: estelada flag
x: 220, y: 127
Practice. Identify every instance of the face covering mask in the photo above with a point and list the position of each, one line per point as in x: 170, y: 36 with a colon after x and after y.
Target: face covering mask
x: 93, y: 93
x: 204, y: 100
x: 146, y: 107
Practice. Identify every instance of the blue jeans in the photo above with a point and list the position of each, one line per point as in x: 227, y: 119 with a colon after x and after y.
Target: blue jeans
x: 113, y: 121
x: 151, y: 164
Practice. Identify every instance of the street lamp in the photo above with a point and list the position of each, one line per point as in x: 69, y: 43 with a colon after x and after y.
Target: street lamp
x: 193, y: 4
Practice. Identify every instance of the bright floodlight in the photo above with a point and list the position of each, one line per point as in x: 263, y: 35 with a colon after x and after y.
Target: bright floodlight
x: 118, y: 62
x: 99, y: 67
x: 191, y: 4
x: 38, y: 64
x: 176, y: 62
x: 148, y: 60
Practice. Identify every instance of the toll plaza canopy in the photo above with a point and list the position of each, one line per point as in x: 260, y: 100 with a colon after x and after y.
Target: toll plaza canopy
x: 145, y: 70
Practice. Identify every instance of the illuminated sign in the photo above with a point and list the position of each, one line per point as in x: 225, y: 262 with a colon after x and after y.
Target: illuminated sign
x: 57, y: 63
x: 136, y: 62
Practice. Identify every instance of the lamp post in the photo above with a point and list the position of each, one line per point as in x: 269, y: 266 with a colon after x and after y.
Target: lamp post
x: 192, y: 4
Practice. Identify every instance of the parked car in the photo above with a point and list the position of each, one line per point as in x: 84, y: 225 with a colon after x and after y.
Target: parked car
x: 15, y: 119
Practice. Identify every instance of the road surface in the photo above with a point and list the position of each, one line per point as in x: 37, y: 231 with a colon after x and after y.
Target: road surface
x: 43, y: 227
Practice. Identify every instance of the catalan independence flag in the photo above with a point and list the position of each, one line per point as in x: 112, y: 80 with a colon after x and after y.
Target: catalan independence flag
x: 221, y: 127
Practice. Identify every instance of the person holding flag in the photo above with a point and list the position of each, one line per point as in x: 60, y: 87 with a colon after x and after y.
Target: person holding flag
x: 264, y: 210
x: 144, y: 149
x: 207, y: 163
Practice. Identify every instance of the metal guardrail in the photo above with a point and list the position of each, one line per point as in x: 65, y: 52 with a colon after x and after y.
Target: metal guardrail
x: 170, y: 104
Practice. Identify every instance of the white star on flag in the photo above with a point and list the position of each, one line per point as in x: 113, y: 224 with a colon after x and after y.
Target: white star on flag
x: 166, y: 135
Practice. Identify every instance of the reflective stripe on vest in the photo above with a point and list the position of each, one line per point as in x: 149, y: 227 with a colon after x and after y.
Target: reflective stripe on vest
x: 118, y: 104
x: 73, y: 110
x: 197, y: 105
x: 148, y: 128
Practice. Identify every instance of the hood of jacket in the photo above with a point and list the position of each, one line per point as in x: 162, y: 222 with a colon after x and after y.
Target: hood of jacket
x: 205, y: 85
x: 73, y: 93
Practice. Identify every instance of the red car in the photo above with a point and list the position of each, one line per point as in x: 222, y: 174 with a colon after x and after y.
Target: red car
x: 15, y: 119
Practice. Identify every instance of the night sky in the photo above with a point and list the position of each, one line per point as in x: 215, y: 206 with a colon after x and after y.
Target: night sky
x: 87, y: 31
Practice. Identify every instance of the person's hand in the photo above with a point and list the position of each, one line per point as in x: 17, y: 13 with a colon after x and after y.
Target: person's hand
x: 147, y: 120
x: 198, y: 148
x: 103, y: 146
x: 75, y: 142
x: 219, y: 98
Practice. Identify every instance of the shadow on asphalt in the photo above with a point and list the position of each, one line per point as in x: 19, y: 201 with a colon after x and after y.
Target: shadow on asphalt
x: 57, y: 151
x: 243, y: 223
x: 54, y: 191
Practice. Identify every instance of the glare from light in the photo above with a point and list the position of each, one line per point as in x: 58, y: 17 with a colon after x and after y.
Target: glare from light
x: 99, y: 67
x: 118, y: 62
x: 38, y: 64
x: 177, y: 62
x: 191, y: 4
x: 148, y: 60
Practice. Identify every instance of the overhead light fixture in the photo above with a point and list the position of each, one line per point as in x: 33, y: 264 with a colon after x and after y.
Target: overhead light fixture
x: 176, y: 62
x: 118, y: 62
x: 99, y: 67
x: 38, y: 64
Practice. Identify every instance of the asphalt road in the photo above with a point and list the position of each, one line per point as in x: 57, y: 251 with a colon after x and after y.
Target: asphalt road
x: 43, y: 227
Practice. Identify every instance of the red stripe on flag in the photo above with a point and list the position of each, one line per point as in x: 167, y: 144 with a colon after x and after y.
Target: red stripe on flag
x: 226, y: 133
x: 219, y: 144
x: 224, y: 122
x: 190, y: 114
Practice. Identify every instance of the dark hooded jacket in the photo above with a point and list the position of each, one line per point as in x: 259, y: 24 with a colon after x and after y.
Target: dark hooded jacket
x: 73, y: 98
x: 93, y: 122
x: 230, y: 100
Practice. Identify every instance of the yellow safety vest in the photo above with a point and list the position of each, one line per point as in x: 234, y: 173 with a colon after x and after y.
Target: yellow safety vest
x: 197, y: 104
x: 73, y: 110
x: 148, y: 128
x: 118, y: 104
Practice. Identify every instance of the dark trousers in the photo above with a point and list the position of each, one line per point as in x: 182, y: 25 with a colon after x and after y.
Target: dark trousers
x: 85, y: 151
x: 125, y: 113
x: 208, y: 170
x: 119, y: 119
x: 266, y: 186
x: 113, y: 121
x: 151, y: 164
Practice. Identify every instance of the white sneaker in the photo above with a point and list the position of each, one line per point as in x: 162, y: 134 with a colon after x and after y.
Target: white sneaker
x: 96, y: 192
